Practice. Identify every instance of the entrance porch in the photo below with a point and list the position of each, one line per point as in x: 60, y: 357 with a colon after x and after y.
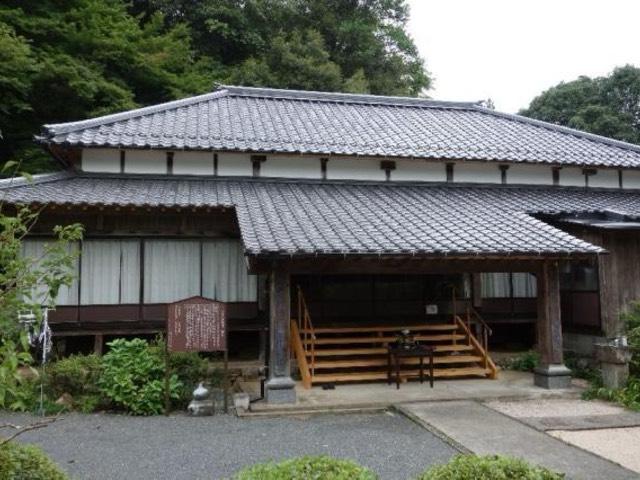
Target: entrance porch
x: 351, y: 351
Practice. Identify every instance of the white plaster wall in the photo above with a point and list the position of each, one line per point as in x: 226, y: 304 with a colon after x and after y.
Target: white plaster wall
x: 631, y: 179
x: 145, y: 161
x: 355, y: 169
x: 105, y: 160
x: 418, y: 171
x: 291, y: 167
x: 573, y: 177
x: 605, y: 179
x: 235, y: 165
x: 481, y: 172
x: 529, y: 175
x: 193, y: 163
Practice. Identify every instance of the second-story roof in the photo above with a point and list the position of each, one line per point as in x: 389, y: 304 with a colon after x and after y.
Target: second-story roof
x: 289, y: 121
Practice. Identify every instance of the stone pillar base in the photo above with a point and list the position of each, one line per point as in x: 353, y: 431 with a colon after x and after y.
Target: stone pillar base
x: 554, y: 376
x: 280, y: 390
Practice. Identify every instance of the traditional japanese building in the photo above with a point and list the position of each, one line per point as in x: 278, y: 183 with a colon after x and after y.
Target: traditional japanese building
x: 329, y: 221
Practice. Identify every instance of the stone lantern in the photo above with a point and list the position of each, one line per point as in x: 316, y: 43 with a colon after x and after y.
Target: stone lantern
x: 614, y: 358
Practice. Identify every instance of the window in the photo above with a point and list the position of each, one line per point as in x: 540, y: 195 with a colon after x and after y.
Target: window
x: 171, y: 270
x: 110, y: 272
x: 508, y: 285
x: 35, y: 250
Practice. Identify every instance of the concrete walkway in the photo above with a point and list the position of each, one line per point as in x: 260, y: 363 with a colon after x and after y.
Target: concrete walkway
x: 484, y: 431
x: 508, y: 386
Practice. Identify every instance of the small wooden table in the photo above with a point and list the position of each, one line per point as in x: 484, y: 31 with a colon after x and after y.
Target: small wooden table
x: 394, y: 353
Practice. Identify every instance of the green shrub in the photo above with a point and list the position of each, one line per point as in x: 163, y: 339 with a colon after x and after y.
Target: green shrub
x: 629, y: 396
x: 471, y: 467
x: 76, y: 375
x: 316, y: 468
x: 132, y: 377
x: 632, y: 325
x: 190, y: 368
x: 524, y: 362
x: 27, y: 462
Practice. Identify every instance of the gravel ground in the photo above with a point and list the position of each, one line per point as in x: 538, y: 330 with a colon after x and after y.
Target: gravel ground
x: 100, y: 447
x: 620, y: 445
x: 555, y: 407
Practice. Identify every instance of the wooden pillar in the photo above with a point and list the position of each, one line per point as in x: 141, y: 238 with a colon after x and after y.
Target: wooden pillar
x: 98, y: 344
x: 551, y: 372
x: 280, y: 388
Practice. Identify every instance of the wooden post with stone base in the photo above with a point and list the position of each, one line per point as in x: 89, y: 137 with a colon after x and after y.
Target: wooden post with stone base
x: 280, y: 387
x: 551, y: 372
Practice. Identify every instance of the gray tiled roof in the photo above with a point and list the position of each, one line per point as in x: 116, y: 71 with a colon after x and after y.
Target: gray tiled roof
x: 294, y: 218
x: 286, y: 121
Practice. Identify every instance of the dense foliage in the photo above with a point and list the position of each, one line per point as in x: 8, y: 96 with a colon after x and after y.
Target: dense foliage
x: 63, y: 60
x: 27, y: 462
x: 76, y: 376
x: 629, y: 396
x: 320, y: 468
x: 471, y: 467
x: 26, y: 284
x: 132, y: 377
x: 608, y: 106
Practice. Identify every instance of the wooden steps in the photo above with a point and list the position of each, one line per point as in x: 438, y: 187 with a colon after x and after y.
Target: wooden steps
x: 376, y: 376
x: 345, y: 352
x: 382, y: 362
x: 443, y: 327
x: 371, y: 339
x: 330, y: 354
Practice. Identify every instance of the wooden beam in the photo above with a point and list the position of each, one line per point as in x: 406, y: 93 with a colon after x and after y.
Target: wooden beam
x: 398, y: 264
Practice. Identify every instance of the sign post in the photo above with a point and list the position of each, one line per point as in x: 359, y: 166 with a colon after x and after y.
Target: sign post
x: 197, y: 324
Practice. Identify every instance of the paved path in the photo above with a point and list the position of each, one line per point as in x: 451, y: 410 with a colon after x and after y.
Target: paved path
x: 101, y: 447
x: 485, y: 431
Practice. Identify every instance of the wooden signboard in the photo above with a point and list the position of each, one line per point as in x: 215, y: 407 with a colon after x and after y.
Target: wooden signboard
x: 197, y: 324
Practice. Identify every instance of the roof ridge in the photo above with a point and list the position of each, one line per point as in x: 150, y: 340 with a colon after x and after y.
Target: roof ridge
x: 14, y: 182
x: 560, y: 128
x: 60, y: 128
x: 342, y: 97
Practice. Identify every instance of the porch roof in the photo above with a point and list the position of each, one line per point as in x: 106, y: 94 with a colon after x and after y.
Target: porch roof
x: 294, y: 218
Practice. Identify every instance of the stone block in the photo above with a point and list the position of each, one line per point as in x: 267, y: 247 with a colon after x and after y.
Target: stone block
x: 552, y: 377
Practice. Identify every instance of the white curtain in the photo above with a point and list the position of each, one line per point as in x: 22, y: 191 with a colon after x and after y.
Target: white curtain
x: 100, y: 272
x: 171, y: 270
x: 130, y: 271
x: 225, y: 276
x: 524, y: 285
x: 34, y: 249
x: 496, y: 285
x: 110, y: 272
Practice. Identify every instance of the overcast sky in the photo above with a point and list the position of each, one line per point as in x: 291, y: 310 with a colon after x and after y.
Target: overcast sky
x: 511, y: 50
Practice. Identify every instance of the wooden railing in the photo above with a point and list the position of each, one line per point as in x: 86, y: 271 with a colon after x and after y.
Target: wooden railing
x: 305, y: 334
x: 485, y: 330
x: 301, y: 355
x: 481, y: 349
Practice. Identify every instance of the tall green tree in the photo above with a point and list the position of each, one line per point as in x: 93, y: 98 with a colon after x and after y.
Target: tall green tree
x: 64, y: 60
x: 73, y: 59
x: 608, y: 106
x: 365, y: 39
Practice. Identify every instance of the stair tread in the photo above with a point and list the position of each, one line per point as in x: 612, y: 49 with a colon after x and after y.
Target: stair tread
x: 382, y: 362
x: 351, y: 340
x: 364, y: 376
x: 345, y: 352
x: 414, y: 328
